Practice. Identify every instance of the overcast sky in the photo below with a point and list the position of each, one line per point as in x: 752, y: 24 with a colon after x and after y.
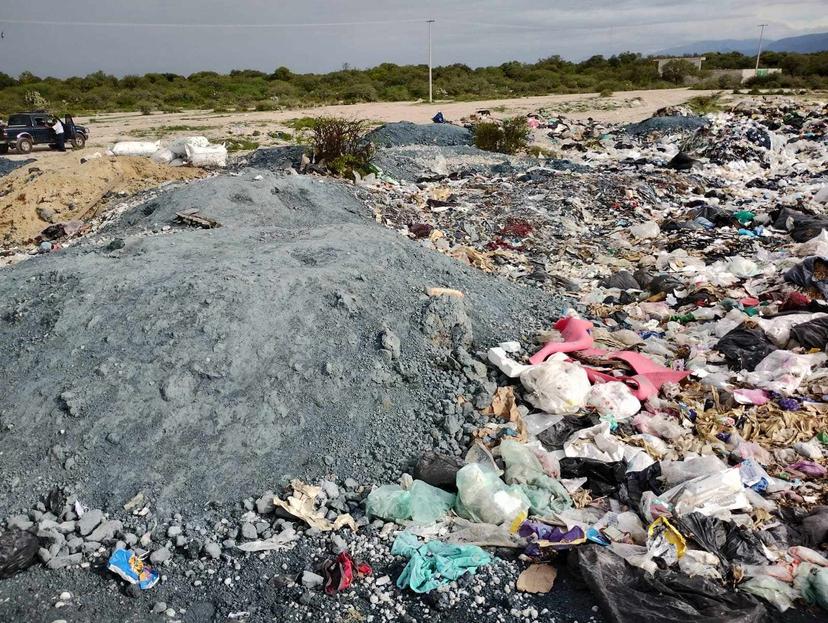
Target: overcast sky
x: 184, y: 36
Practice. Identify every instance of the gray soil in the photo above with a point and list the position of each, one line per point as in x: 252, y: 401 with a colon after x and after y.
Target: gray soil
x: 195, y: 365
x: 407, y: 133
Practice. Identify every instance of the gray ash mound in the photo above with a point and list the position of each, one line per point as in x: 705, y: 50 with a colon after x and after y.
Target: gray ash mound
x: 667, y: 125
x: 406, y: 133
x: 296, y: 340
x: 7, y: 166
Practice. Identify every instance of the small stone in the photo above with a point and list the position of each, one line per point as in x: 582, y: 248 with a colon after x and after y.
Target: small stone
x: 106, y: 531
x: 213, y: 550
x: 159, y: 607
x: 170, y: 612
x: 21, y: 522
x: 264, y: 504
x: 248, y: 531
x: 173, y: 531
x: 160, y: 555
x: 90, y: 521
x: 311, y: 579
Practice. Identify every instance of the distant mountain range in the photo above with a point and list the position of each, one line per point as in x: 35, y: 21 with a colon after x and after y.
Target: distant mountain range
x: 804, y: 44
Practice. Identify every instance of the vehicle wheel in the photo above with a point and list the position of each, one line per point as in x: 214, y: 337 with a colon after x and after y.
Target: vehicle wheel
x: 4, y: 149
x: 24, y: 146
x: 79, y: 142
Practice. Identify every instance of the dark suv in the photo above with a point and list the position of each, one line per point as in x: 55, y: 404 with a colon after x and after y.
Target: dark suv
x: 27, y: 129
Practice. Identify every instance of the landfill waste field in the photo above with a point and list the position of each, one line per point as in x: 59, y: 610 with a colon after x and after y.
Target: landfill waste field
x: 589, y: 386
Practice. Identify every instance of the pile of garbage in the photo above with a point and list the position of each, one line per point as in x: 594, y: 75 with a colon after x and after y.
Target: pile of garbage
x: 676, y: 417
x: 196, y: 151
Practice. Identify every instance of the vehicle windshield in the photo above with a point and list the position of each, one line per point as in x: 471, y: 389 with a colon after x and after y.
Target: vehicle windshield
x: 19, y: 120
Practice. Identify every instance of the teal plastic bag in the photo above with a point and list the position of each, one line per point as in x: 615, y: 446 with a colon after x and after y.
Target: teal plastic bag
x: 546, y: 495
x: 428, y: 504
x: 812, y: 582
x: 423, y: 503
x: 433, y: 563
x: 390, y: 502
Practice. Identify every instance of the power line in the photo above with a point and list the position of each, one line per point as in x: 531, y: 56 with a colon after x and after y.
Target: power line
x: 191, y: 25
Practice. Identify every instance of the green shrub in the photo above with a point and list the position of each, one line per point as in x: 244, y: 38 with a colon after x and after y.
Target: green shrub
x: 704, y: 104
x: 145, y: 108
x: 342, y: 144
x: 34, y: 100
x: 605, y: 92
x: 508, y: 137
x: 239, y: 144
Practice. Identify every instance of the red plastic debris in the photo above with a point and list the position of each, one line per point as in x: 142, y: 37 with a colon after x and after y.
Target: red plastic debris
x: 339, y: 572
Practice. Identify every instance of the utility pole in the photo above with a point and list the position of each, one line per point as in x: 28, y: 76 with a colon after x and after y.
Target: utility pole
x: 430, y: 83
x: 759, y: 52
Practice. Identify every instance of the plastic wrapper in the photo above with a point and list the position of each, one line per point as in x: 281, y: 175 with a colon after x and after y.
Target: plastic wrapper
x: 665, y: 542
x: 599, y: 444
x: 483, y: 497
x: 556, y: 387
x: 709, y: 495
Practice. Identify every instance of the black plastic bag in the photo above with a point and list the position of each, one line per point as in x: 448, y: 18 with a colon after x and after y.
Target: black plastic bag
x: 812, y: 334
x: 438, y: 470
x: 803, y: 226
x: 18, y: 551
x: 553, y: 438
x: 627, y: 594
x: 729, y: 542
x: 811, y: 273
x: 744, y: 348
x: 602, y: 478
x: 623, y: 280
x: 636, y: 483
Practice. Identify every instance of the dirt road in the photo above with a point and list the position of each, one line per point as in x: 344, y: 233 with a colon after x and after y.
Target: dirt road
x: 106, y: 129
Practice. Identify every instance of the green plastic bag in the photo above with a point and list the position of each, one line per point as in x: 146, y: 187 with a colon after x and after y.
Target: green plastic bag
x: 428, y: 504
x: 546, y: 495
x: 744, y: 216
x: 483, y: 497
x: 812, y: 582
x: 423, y: 503
x: 434, y: 563
x: 389, y: 502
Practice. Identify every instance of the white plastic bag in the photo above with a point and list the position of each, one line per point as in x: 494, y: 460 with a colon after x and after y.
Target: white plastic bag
x: 483, y: 497
x: 135, y: 148
x: 210, y: 156
x: 179, y: 146
x: 614, y: 399
x: 779, y: 329
x: 557, y: 387
x: 648, y: 229
x: 783, y: 371
x: 709, y: 495
x: 162, y: 156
